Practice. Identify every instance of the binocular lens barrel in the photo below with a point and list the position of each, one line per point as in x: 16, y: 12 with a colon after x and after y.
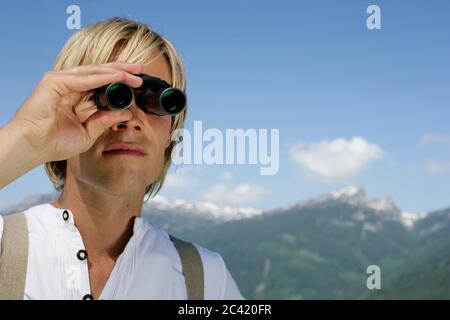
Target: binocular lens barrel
x: 119, y: 96
x: 116, y: 96
x: 172, y: 100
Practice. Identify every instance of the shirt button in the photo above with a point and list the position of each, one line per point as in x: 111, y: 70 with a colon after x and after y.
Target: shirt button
x: 65, y: 215
x: 82, y: 255
x: 88, y: 297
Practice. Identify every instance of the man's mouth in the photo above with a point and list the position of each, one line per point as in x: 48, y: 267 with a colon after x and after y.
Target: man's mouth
x: 123, y: 152
x: 125, y: 148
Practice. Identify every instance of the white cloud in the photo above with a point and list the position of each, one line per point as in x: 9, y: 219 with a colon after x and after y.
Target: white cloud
x: 435, y: 138
x: 227, y: 176
x: 180, y: 179
x: 435, y: 167
x: 439, y: 139
x: 337, y: 159
x: 242, y: 194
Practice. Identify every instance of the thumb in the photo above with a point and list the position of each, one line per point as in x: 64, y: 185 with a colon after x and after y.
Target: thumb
x: 101, y: 120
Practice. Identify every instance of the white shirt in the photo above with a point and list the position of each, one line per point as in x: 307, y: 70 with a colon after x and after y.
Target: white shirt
x: 148, y: 268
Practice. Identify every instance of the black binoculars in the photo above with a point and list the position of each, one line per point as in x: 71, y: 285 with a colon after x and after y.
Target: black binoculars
x: 154, y: 96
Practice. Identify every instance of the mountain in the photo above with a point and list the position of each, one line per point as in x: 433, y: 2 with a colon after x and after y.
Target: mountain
x: 29, y: 202
x: 175, y: 215
x: 427, y: 274
x: 320, y: 249
x: 181, y: 216
x: 355, y: 196
x: 317, y: 249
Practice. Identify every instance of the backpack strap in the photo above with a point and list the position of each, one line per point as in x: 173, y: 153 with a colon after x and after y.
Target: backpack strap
x: 14, y: 257
x: 192, y: 268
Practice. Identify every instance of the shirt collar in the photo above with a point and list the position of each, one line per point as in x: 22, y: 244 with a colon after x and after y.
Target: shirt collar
x: 64, y: 217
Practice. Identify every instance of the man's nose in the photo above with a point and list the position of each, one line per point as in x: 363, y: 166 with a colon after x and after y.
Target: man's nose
x: 134, y: 123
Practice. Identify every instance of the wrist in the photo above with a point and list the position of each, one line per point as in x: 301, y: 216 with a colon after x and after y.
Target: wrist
x: 20, y: 139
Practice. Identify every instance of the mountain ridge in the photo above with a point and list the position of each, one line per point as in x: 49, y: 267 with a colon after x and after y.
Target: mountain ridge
x: 316, y: 249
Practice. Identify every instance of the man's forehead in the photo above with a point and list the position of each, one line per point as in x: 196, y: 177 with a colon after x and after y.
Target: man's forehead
x: 158, y: 66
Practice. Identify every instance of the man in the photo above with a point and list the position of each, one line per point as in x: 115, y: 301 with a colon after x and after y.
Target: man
x: 92, y: 243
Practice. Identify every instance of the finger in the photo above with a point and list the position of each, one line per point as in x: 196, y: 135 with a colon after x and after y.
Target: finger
x: 68, y: 83
x: 85, y: 109
x: 101, y: 120
x: 102, y: 70
x: 134, y: 68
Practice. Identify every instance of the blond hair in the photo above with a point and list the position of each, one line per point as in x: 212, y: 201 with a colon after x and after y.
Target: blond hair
x: 123, y: 40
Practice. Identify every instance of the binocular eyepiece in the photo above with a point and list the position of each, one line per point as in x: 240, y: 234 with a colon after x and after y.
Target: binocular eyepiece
x: 154, y: 96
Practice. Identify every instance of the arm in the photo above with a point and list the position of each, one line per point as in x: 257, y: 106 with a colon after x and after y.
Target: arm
x: 54, y: 123
x: 16, y: 155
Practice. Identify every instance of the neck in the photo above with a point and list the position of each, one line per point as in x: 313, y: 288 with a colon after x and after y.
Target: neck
x: 105, y: 221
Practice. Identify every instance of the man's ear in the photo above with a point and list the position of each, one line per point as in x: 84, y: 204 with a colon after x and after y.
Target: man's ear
x: 168, y: 142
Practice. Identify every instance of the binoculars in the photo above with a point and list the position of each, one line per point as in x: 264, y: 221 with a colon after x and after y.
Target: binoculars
x: 154, y: 96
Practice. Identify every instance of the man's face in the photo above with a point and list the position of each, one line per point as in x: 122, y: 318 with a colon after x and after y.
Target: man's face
x: 124, y: 174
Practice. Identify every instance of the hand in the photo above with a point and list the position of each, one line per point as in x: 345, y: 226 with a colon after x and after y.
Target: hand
x: 58, y: 122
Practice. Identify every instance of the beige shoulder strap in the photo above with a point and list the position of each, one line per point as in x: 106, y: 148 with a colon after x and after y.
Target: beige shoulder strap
x: 192, y: 268
x: 14, y: 257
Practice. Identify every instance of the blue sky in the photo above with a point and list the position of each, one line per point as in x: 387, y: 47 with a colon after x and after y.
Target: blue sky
x: 311, y: 69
